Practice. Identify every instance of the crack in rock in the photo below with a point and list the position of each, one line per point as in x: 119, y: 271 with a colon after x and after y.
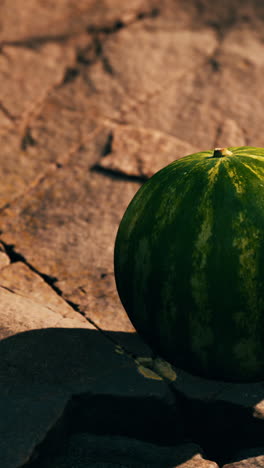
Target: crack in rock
x: 51, y: 168
x: 138, y: 153
x: 27, y: 140
x: 35, y: 42
x: 6, y: 112
x: 94, y: 52
x: 38, y: 41
x: 130, y: 19
x: 51, y: 281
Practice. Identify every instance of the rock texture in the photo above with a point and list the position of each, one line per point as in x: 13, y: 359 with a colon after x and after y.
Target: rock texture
x: 96, y: 97
x: 250, y: 458
x: 141, y: 152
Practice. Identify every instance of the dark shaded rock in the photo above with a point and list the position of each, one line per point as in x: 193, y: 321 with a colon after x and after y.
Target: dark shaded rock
x: 223, y: 411
x: 91, y: 363
x: 101, y: 392
x: 213, y: 410
x: 86, y: 450
x: 27, y: 415
x: 248, y: 458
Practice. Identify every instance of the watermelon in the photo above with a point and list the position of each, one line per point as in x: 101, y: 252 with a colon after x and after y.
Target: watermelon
x: 189, y: 263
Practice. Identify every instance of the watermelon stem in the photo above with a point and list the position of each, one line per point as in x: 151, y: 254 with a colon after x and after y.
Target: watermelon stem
x: 220, y: 152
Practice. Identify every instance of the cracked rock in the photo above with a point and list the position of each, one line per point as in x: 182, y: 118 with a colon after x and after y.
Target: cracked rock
x: 65, y: 18
x: 17, y: 170
x: 21, y: 280
x: 142, y: 152
x: 146, y: 88
x: 66, y: 236
x: 19, y: 313
x: 28, y: 75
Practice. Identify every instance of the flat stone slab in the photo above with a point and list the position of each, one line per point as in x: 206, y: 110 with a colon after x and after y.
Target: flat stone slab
x: 79, y: 376
x: 67, y: 18
x: 141, y: 152
x: 71, y: 239
x: 19, y: 313
x: 26, y: 418
x: 19, y: 279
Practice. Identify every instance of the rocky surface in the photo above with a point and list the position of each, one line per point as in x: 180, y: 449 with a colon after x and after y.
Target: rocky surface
x: 85, y: 450
x: 249, y: 458
x: 96, y: 97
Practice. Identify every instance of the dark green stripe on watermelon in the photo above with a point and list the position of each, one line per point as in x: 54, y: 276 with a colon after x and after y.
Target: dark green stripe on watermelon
x: 189, y: 260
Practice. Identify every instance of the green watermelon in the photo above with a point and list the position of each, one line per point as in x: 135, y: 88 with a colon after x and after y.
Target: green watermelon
x: 189, y: 263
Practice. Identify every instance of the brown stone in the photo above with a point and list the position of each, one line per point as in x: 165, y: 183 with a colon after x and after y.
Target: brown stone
x: 255, y: 462
x: 27, y: 75
x: 154, y: 94
x: 67, y: 237
x: 64, y: 124
x: 19, y: 313
x: 17, y: 171
x: 142, y: 152
x: 4, y: 260
x: 96, y: 296
x: 230, y: 134
x: 239, y: 70
x: 222, y: 411
x: 67, y: 17
x: 22, y: 281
